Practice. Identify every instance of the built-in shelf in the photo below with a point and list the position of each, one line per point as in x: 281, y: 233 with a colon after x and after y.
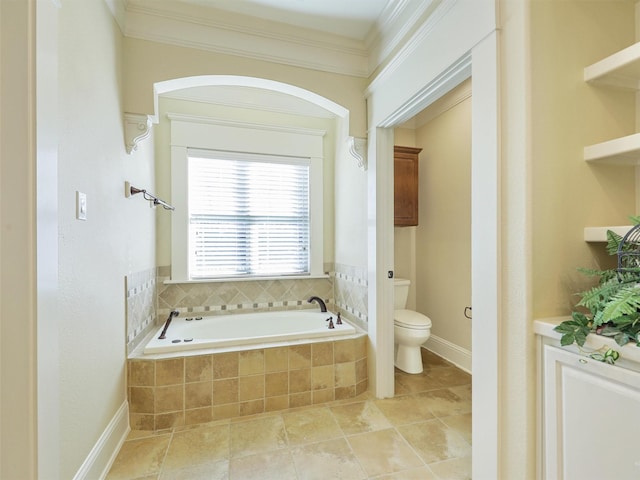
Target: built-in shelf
x: 619, y: 151
x: 622, y: 69
x: 599, y: 234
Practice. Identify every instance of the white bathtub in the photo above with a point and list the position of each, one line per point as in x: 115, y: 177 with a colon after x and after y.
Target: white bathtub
x: 244, y: 329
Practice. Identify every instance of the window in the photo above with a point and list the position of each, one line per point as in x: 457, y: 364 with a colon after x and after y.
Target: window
x: 248, y: 215
x: 248, y: 199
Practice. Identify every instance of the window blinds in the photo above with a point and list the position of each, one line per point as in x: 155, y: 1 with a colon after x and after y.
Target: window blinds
x: 248, y: 215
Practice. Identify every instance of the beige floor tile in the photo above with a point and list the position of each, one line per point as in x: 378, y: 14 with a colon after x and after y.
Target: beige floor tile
x: 257, y: 436
x: 331, y: 459
x: 430, y: 359
x: 434, y: 441
x: 211, y: 471
x: 311, y: 425
x: 263, y: 466
x: 461, y: 424
x: 449, y: 376
x: 139, y: 458
x: 455, y: 469
x: 359, y: 417
x: 198, y: 446
x: 422, y: 473
x: 405, y: 409
x: 407, y: 384
x: 384, y: 451
x: 449, y: 401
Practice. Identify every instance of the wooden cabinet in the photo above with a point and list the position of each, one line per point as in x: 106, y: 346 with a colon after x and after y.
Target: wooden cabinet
x: 405, y: 190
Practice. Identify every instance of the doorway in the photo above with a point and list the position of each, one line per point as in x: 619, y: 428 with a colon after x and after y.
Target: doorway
x: 481, y: 63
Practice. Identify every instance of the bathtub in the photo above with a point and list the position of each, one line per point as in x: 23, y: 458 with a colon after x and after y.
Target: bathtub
x: 191, y: 332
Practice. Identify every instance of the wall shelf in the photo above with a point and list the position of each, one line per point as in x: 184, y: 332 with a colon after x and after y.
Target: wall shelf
x: 619, y: 151
x: 621, y: 70
x: 599, y: 234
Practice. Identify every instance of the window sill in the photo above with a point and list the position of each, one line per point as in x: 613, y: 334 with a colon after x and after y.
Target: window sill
x: 246, y: 279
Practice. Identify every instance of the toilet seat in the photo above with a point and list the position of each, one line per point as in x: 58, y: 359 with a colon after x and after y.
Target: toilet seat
x: 411, y: 319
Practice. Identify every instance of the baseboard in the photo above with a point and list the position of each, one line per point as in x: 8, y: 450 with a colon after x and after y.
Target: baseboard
x: 103, y: 453
x: 460, y: 357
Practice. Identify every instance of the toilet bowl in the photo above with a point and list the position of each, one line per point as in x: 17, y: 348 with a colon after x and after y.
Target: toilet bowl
x: 411, y: 329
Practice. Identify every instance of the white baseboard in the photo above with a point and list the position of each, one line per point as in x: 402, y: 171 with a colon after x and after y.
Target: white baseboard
x: 103, y: 453
x: 460, y: 357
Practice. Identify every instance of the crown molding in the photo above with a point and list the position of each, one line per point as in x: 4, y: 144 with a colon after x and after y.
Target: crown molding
x: 239, y: 35
x: 118, y: 10
x: 204, y: 28
x: 400, y: 20
x: 426, y: 27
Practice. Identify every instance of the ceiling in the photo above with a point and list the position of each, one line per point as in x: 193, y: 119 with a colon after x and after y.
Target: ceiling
x: 348, y: 18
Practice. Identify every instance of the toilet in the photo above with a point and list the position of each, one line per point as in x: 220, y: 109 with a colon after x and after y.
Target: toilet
x: 411, y: 329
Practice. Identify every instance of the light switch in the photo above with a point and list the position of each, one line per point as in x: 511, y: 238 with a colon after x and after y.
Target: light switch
x: 81, y: 205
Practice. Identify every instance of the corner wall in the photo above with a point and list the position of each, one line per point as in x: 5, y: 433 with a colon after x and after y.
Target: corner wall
x: 117, y: 239
x: 567, y: 115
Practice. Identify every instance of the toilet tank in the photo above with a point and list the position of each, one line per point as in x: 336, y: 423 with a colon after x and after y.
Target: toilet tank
x: 400, y: 293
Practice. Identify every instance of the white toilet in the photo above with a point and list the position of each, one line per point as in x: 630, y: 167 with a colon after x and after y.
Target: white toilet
x: 411, y: 329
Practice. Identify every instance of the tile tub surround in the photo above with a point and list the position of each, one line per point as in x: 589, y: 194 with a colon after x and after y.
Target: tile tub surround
x: 350, y: 292
x: 166, y: 393
x: 140, y: 299
x: 252, y: 295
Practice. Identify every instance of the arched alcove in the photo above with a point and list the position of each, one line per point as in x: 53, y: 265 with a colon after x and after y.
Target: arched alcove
x: 137, y: 126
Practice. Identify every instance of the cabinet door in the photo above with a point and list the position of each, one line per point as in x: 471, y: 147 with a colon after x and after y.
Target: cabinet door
x: 405, y: 175
x: 591, y: 418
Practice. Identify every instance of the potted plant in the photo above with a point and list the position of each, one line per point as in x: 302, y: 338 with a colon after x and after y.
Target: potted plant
x: 611, y: 309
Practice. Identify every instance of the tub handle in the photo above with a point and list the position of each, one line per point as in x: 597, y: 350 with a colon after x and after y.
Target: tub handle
x: 330, y: 320
x: 163, y: 334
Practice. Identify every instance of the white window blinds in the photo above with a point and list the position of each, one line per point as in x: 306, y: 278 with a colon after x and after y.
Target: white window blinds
x: 248, y: 215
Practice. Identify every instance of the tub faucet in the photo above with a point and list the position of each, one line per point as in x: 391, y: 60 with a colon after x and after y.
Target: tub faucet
x: 323, y: 306
x: 163, y: 334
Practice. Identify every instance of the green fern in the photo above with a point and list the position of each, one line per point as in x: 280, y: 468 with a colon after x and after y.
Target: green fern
x: 614, y: 304
x: 595, y: 298
x: 613, y: 242
x: 625, y: 301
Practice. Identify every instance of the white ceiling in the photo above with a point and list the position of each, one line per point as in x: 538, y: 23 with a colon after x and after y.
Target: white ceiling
x: 349, y: 18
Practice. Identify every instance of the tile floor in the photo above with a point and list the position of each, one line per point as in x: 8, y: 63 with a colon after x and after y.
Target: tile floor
x: 424, y: 433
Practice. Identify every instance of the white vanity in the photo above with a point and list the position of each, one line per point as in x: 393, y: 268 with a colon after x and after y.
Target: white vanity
x: 588, y: 411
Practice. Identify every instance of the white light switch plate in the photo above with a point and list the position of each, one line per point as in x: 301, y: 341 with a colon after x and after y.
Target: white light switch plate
x: 81, y: 205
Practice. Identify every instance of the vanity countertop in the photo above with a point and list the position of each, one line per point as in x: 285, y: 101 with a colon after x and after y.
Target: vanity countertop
x: 629, y: 354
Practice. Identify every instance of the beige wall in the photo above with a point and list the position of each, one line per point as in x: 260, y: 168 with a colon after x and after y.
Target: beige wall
x: 443, y: 235
x: 117, y: 238
x: 568, y: 114
x: 350, y: 209
x: 436, y: 255
x: 150, y: 62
